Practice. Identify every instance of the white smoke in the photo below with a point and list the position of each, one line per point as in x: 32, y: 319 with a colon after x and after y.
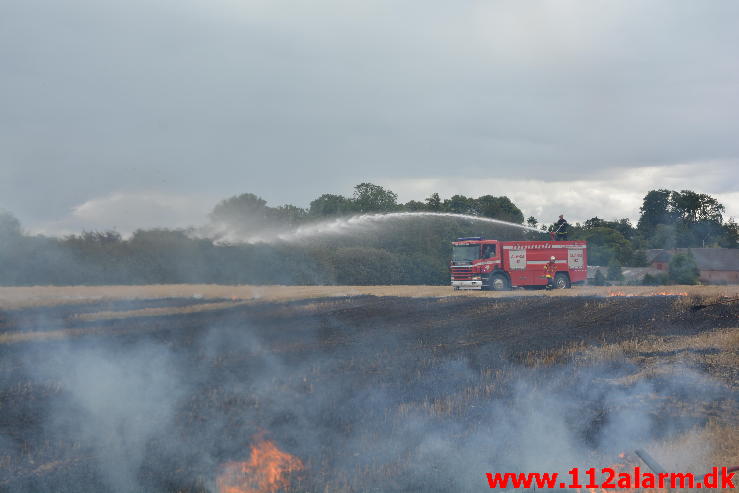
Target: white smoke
x: 117, y: 401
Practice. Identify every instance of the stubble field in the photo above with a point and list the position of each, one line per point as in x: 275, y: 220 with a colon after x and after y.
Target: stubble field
x: 397, y: 388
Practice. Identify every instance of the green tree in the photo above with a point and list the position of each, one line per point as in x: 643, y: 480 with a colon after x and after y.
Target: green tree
x: 594, y: 222
x: 639, y: 259
x: 655, y: 280
x: 682, y: 269
x: 369, y: 197
x: 459, y: 204
x: 664, y: 236
x: 288, y: 214
x: 240, y: 207
x: 13, y: 251
x: 623, y: 226
x: 699, y: 218
x: 366, y: 266
x: 331, y: 205
x: 605, y: 244
x: 692, y: 207
x: 694, y: 219
x: 599, y: 279
x: 414, y: 206
x: 247, y: 214
x: 10, y: 227
x: 433, y: 202
x: 614, y: 270
x: 656, y: 209
x: 730, y: 236
x: 498, y: 208
x: 11, y: 239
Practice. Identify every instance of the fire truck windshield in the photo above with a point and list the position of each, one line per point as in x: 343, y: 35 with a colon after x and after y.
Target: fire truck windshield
x: 465, y: 253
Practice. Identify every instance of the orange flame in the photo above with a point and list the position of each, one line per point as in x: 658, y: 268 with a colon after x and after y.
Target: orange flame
x: 267, y: 470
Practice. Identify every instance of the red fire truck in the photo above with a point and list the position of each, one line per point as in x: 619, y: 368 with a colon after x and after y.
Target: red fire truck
x: 501, y: 265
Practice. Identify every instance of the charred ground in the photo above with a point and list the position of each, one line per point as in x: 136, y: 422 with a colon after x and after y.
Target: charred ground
x: 372, y: 393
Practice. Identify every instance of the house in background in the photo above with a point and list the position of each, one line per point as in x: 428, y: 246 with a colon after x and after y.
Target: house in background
x: 715, y: 265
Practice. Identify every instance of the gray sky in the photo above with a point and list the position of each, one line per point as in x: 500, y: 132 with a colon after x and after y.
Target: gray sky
x: 144, y: 113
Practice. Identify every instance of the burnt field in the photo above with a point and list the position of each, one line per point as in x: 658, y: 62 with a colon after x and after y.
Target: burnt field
x: 359, y: 393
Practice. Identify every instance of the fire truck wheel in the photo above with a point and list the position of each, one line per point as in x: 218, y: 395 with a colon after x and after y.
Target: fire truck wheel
x: 562, y: 281
x: 499, y: 282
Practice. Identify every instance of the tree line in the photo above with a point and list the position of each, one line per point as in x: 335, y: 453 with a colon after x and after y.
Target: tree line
x: 397, y: 252
x: 668, y: 219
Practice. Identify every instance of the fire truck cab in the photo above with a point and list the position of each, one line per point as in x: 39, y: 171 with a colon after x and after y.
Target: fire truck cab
x: 478, y: 263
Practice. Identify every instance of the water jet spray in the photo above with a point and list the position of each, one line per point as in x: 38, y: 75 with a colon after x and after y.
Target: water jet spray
x: 345, y: 225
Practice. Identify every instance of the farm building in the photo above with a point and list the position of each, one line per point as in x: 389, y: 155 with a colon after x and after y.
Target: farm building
x: 716, y: 265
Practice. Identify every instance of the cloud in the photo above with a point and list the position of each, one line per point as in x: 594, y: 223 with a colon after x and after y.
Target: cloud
x: 126, y: 212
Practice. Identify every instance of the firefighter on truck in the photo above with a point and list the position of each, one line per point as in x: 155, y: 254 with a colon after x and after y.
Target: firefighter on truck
x: 560, y: 228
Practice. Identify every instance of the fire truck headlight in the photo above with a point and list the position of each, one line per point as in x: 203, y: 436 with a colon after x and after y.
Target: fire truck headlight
x: 476, y: 278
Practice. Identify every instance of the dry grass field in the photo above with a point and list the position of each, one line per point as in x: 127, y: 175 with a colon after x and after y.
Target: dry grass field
x: 20, y: 297
x: 380, y: 388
